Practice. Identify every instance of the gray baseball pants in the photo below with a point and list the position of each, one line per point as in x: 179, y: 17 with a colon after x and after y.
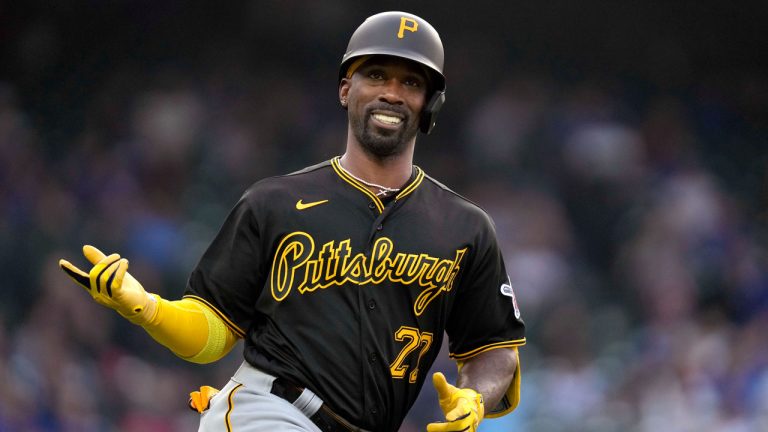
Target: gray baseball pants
x: 245, y: 404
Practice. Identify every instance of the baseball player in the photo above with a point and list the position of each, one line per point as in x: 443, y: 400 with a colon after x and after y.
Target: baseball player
x: 342, y: 278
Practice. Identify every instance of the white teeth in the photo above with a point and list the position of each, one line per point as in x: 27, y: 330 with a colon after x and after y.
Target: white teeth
x: 387, y: 119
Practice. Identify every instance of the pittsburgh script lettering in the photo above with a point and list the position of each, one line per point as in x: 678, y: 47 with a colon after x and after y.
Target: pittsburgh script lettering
x: 298, y: 264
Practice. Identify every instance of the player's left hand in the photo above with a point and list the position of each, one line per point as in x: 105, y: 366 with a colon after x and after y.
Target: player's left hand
x: 463, y: 407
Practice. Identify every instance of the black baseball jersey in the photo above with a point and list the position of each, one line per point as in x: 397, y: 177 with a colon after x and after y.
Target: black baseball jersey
x: 348, y: 295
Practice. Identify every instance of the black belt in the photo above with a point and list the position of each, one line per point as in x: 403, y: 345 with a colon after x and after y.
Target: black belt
x: 324, y: 418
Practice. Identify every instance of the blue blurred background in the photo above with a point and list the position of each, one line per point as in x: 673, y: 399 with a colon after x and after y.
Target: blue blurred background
x: 621, y: 148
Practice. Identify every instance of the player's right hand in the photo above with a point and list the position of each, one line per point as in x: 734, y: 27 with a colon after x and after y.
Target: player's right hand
x: 110, y: 285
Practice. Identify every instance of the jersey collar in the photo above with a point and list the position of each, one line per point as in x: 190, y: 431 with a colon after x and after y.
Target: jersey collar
x: 416, y: 180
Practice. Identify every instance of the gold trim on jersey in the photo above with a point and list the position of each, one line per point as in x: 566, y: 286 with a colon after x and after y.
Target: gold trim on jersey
x: 363, y: 188
x: 356, y: 184
x: 221, y: 315
x: 412, y: 187
x: 298, y: 264
x: 489, y: 347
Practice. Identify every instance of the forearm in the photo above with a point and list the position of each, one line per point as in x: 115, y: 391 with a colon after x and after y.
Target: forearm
x: 190, y: 330
x: 187, y: 327
x: 489, y: 374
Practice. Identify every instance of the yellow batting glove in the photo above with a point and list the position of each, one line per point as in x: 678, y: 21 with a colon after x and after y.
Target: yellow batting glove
x: 110, y: 285
x: 463, y: 407
x: 200, y: 400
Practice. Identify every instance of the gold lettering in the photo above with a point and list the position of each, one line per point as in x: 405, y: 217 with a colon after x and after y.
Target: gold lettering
x: 407, y: 263
x: 295, y: 265
x: 427, y: 269
x: 345, y: 251
x: 380, y: 260
x: 433, y: 290
x: 332, y: 260
x: 355, y: 272
x: 292, y: 253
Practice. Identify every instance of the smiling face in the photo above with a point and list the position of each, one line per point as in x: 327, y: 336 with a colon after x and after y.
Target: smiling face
x: 385, y: 97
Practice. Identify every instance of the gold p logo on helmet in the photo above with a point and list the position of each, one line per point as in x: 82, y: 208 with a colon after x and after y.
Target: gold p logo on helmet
x: 409, y: 24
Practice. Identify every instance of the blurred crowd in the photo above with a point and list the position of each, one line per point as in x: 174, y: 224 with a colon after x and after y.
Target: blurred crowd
x: 632, y: 216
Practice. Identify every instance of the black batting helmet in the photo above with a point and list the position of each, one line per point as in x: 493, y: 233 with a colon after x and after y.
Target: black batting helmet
x: 408, y: 36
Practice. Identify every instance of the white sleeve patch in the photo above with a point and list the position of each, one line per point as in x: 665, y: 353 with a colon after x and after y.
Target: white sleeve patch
x: 506, y: 289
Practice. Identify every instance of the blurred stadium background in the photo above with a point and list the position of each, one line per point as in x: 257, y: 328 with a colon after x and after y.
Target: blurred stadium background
x: 621, y: 148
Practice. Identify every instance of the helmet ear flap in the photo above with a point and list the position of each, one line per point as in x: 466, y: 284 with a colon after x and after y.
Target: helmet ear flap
x: 428, y: 117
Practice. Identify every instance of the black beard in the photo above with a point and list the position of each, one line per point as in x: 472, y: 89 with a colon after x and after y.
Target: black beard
x: 382, y: 143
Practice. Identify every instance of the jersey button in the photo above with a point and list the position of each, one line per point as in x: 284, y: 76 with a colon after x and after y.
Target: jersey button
x: 371, y: 305
x: 374, y: 411
x: 380, y: 227
x: 371, y: 205
x: 372, y: 357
